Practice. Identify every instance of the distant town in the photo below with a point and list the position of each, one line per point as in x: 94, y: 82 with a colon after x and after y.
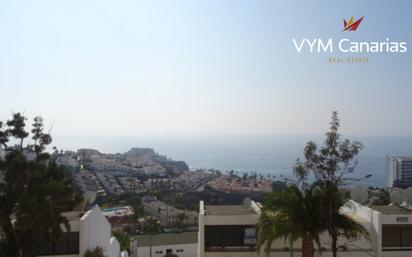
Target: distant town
x: 165, y: 188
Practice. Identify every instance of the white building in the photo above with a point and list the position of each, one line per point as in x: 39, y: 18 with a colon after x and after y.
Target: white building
x: 390, y: 228
x: 154, y: 170
x: 169, y: 215
x: 229, y: 231
x: 399, y: 171
x: 183, y: 244
x: 86, y: 232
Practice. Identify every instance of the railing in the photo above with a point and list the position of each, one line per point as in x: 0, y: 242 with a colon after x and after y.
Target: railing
x: 396, y: 249
x: 230, y: 249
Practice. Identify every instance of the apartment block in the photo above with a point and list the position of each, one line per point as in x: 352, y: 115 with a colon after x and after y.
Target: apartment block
x: 229, y: 231
x: 182, y: 244
x: 399, y: 171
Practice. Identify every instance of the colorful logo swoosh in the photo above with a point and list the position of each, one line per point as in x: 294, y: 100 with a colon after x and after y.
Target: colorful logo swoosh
x: 351, y: 25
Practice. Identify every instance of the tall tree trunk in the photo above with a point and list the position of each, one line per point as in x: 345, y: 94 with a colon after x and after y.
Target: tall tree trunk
x: 291, y: 248
x: 332, y: 223
x: 11, y: 245
x: 334, y: 245
x: 150, y: 244
x: 308, y: 249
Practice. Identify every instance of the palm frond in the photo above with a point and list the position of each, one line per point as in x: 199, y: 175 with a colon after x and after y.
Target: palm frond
x: 350, y: 228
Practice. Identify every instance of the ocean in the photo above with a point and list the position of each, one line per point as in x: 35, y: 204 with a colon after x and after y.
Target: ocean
x: 266, y: 154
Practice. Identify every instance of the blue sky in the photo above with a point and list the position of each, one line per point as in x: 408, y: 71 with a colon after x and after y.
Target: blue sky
x: 201, y: 67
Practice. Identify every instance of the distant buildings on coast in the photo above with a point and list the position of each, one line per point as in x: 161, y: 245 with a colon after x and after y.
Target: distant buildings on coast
x: 399, y: 171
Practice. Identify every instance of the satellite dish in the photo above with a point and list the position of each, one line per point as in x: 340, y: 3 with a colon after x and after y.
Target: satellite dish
x: 89, y: 197
x: 359, y: 194
x: 407, y: 194
x: 247, y: 202
x: 396, y: 197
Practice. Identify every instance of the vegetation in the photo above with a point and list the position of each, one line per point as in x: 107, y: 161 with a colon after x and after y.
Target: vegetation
x: 305, y: 210
x: 151, y: 227
x: 292, y: 215
x: 33, y: 189
x: 124, y: 240
x: 96, y: 252
x: 181, y: 217
x: 136, y: 202
x: 380, y: 196
x: 330, y: 165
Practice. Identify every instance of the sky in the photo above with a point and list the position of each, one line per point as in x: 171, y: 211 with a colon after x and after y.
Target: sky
x: 98, y: 68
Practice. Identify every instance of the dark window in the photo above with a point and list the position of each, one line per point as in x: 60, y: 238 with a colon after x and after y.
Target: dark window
x: 396, y: 235
x: 406, y: 236
x: 67, y: 243
x: 391, y: 236
x: 168, y: 251
x: 227, y: 236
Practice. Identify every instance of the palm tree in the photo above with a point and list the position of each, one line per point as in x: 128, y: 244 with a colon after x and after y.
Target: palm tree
x: 151, y: 226
x: 181, y: 217
x: 292, y: 215
x: 331, y: 165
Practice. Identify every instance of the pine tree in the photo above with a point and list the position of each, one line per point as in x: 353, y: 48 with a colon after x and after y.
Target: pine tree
x: 33, y: 189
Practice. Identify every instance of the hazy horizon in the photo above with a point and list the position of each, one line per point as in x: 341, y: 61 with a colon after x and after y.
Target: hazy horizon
x: 122, y: 143
x: 265, y: 154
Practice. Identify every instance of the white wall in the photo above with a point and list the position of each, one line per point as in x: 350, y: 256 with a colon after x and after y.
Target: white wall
x: 113, y: 249
x: 95, y: 230
x: 231, y: 219
x: 391, y: 219
x: 376, y: 220
x: 124, y: 254
x: 201, y: 229
x: 376, y: 232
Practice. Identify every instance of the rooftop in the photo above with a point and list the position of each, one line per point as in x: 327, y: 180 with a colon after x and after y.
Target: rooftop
x: 168, y: 239
x: 228, y: 210
x: 391, y: 209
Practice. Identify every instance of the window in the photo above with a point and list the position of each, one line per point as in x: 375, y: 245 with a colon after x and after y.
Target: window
x: 229, y: 236
x: 396, y: 236
x: 168, y: 251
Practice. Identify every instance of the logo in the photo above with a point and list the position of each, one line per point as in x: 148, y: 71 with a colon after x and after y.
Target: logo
x: 351, y: 25
x: 347, y: 45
